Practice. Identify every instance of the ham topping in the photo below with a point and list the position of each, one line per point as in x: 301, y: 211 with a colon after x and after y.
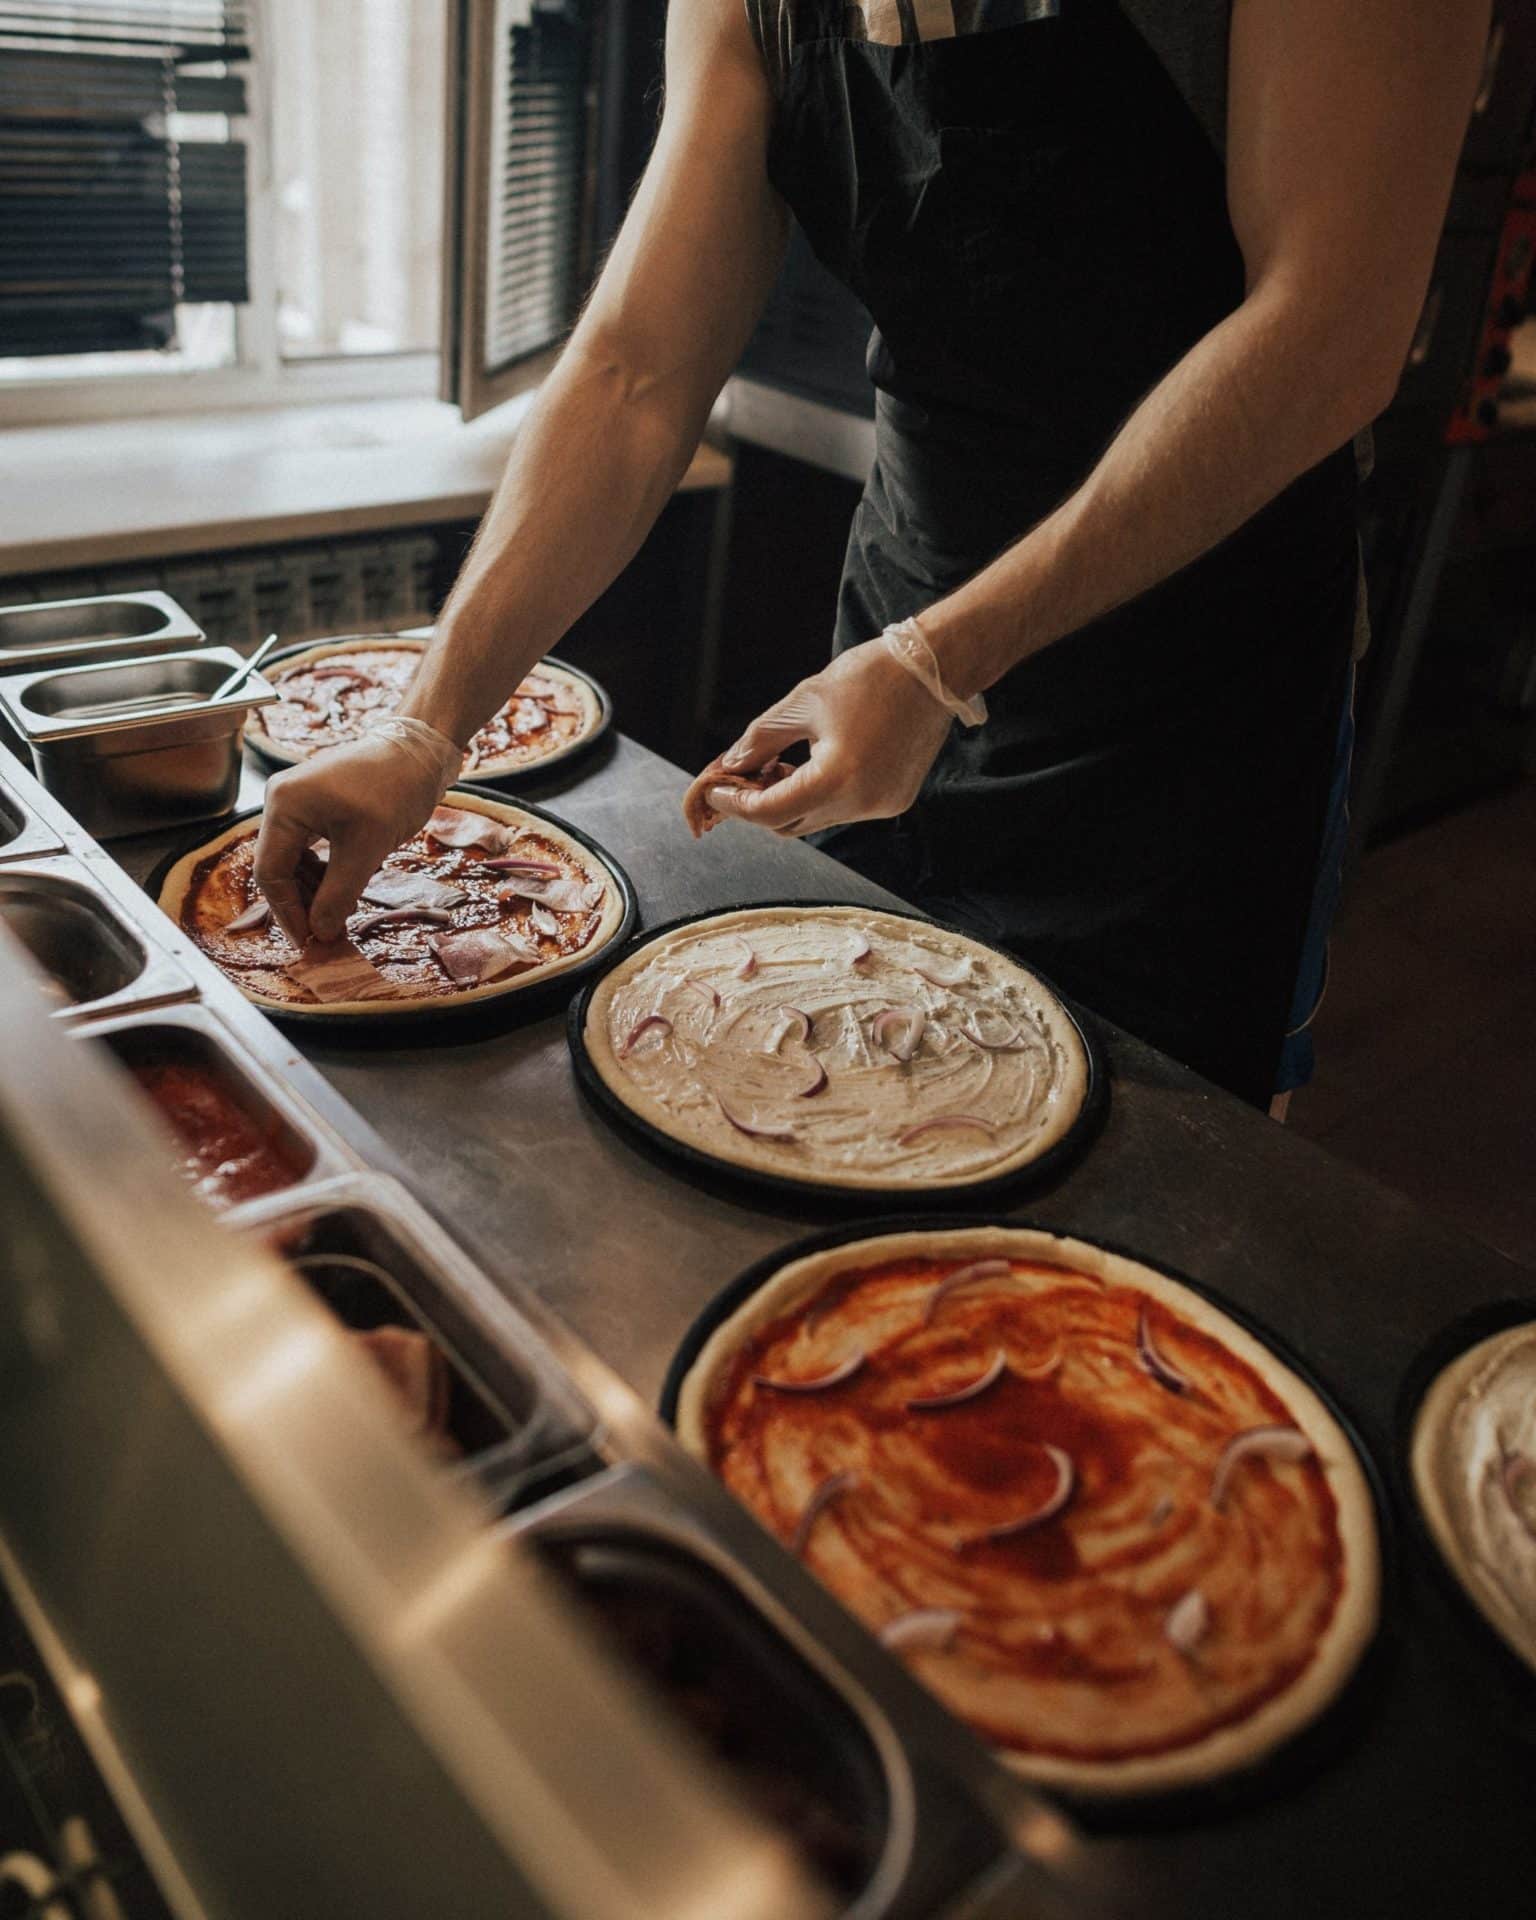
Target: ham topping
x: 564, y: 895
x: 697, y: 811
x: 416, y: 1370
x: 480, y: 954
x: 453, y: 827
x: 389, y: 888
x: 334, y: 970
x: 257, y: 914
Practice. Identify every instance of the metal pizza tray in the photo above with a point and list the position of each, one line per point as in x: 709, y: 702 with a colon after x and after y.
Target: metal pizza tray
x: 817, y: 1197
x: 519, y: 776
x: 1326, y: 1740
x: 435, y: 1022
x: 1494, y: 1671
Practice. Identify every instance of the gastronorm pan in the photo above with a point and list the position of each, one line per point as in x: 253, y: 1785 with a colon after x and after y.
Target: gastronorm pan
x: 67, y: 633
x: 377, y: 1258
x: 23, y: 835
x: 96, y: 961
x: 122, y: 767
x: 302, y: 1147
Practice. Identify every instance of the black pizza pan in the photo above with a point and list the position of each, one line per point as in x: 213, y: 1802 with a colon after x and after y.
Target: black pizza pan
x: 437, y: 1023
x: 782, y: 1192
x: 517, y: 777
x: 1329, y: 1738
x: 1509, y: 1683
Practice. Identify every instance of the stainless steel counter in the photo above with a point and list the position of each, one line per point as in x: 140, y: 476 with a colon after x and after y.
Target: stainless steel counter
x: 1421, y: 1800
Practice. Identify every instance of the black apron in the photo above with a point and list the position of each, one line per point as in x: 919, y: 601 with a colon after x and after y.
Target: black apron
x: 1038, y: 225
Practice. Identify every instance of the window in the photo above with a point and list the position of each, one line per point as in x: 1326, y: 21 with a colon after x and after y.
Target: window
x: 209, y: 202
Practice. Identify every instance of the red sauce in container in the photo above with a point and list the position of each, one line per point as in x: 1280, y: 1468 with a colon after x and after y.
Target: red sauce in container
x: 225, y: 1154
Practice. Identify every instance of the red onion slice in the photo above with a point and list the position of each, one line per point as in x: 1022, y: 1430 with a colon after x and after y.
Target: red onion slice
x: 545, y: 921
x: 899, y: 1030
x: 1288, y: 1444
x: 751, y: 1128
x: 924, y: 1629
x: 817, y: 1383
x: 1060, y: 1494
x: 1162, y: 1511
x: 1011, y: 1041
x: 1157, y: 1364
x: 402, y: 917
x: 936, y: 1402
x: 818, y: 1084
x: 1042, y: 1369
x: 702, y: 986
x: 994, y: 1269
x: 748, y: 964
x: 789, y: 1018
x: 257, y: 914
x: 523, y: 869
x: 1188, y: 1621
x: 632, y: 1038
x: 862, y: 950
x: 945, y: 1123
x: 825, y: 1494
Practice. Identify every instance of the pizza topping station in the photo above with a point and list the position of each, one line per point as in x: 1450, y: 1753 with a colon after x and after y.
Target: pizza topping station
x: 332, y: 697
x: 1085, y: 1561
x: 849, y: 1047
x: 437, y: 919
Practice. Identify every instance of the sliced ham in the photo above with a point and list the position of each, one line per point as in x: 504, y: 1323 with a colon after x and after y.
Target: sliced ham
x: 476, y: 955
x: 388, y: 888
x: 697, y: 811
x: 453, y: 827
x: 257, y: 914
x: 334, y: 970
x: 564, y: 896
x: 416, y: 1370
x: 309, y: 871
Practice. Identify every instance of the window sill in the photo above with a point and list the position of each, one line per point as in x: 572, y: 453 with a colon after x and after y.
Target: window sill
x: 104, y: 492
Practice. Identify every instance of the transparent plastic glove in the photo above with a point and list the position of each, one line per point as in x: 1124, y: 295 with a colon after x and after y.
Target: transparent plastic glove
x: 874, y: 731
x: 366, y: 798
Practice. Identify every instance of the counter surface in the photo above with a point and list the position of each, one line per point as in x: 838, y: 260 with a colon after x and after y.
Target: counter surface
x: 1421, y: 1799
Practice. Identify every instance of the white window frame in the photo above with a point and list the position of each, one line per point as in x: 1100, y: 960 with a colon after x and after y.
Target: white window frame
x: 261, y: 377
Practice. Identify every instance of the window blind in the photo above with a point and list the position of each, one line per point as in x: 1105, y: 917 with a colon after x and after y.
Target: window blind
x: 112, y: 213
x: 536, y: 252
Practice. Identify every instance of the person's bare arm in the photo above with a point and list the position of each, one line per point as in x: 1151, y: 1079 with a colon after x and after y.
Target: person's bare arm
x: 599, y: 455
x: 1343, y: 129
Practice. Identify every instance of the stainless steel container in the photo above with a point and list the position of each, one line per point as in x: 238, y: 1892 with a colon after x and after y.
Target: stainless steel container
x: 97, y: 963
x: 68, y: 633
x: 22, y: 834
x: 132, y: 745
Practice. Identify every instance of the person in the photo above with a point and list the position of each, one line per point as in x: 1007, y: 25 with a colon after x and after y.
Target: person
x: 1140, y: 272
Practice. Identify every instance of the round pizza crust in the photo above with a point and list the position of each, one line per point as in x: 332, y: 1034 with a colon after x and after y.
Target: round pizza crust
x: 1439, y: 1468
x: 581, y: 690
x: 1228, y: 1749
x: 174, y: 889
x: 724, y: 1143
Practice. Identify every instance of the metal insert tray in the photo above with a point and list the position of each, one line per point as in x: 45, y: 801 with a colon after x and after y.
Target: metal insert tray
x: 60, y: 633
x: 23, y: 833
x: 519, y: 1422
x: 100, y: 963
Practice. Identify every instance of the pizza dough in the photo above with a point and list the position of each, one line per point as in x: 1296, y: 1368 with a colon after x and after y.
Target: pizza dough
x: 1473, y: 1460
x: 841, y: 1046
x: 331, y: 692
x: 542, y: 923
x: 1030, y: 1484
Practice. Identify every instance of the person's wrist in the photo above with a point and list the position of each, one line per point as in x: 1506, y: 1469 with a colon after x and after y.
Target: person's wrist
x: 909, y: 645
x: 425, y: 747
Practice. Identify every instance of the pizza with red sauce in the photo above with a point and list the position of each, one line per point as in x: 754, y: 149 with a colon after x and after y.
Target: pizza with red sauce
x: 1103, y: 1522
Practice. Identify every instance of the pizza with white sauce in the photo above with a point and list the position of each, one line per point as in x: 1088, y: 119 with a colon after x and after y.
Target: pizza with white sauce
x: 1104, y: 1523
x: 840, y: 1046
x: 1473, y: 1461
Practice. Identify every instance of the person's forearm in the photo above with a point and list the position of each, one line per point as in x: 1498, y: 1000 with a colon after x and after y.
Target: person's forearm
x: 593, y: 465
x: 1254, y: 404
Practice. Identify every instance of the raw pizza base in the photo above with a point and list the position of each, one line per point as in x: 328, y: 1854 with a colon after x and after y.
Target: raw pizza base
x: 723, y: 1143
x: 580, y: 690
x: 173, y: 894
x: 1228, y: 1749
x: 1435, y: 1457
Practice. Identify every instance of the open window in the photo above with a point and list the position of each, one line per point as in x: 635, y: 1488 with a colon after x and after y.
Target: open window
x: 523, y: 84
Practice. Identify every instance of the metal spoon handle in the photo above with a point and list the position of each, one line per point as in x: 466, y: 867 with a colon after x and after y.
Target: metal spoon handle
x: 245, y: 669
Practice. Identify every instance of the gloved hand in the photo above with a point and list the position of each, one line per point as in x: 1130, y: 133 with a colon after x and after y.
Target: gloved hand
x: 366, y: 798
x: 874, y: 731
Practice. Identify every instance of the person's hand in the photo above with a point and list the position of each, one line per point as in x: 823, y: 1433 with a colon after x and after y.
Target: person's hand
x: 366, y: 798
x: 874, y: 732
